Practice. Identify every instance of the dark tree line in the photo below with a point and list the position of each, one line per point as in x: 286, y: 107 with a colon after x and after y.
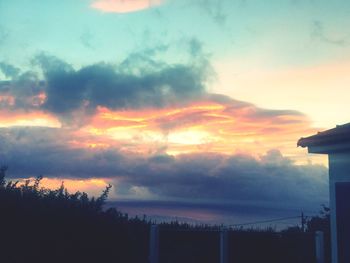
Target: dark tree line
x: 45, y: 225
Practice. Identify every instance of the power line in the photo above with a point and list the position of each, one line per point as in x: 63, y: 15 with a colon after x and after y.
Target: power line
x: 302, y: 217
x: 265, y: 221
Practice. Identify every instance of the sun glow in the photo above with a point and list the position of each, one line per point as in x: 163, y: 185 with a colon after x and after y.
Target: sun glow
x: 208, y: 126
x: 190, y: 137
x: 10, y: 119
x: 93, y: 186
x: 203, y: 127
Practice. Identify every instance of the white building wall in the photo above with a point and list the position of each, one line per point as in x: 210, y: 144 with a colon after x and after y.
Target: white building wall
x: 339, y: 171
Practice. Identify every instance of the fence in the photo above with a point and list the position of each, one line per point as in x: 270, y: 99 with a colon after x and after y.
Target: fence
x: 227, y: 246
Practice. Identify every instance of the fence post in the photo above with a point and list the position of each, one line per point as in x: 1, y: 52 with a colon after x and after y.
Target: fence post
x: 223, y: 246
x: 154, y: 244
x: 319, y: 239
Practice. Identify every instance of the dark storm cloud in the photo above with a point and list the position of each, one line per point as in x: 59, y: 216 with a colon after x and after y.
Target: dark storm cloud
x: 33, y: 151
x: 105, y: 85
x: 137, y: 82
x: 271, y: 180
x: 23, y: 87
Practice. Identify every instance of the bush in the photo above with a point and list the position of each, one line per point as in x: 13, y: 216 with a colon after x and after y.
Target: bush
x: 43, y: 225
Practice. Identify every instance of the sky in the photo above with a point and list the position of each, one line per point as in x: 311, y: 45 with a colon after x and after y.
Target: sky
x: 175, y: 102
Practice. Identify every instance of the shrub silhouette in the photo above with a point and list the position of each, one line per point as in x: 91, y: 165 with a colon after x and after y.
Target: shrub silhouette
x: 43, y: 225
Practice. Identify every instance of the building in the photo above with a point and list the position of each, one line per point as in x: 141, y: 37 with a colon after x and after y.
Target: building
x: 336, y: 143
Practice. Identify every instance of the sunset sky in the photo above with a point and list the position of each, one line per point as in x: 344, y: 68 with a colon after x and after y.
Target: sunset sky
x: 187, y: 102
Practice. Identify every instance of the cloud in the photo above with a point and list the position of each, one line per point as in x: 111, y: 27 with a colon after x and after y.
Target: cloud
x: 213, y: 123
x: 124, y: 6
x: 138, y: 82
x: 73, y: 94
x: 23, y: 118
x: 24, y: 91
x: 87, y: 39
x: 116, y: 87
x: 318, y: 32
x: 32, y: 151
x: 270, y: 179
x: 155, y: 131
x: 146, y: 106
x: 215, y: 9
x: 9, y: 70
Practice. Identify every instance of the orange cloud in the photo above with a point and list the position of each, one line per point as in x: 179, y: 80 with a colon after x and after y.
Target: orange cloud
x: 124, y: 6
x: 24, y: 118
x: 209, y: 126
x: 215, y: 124
x: 7, y: 100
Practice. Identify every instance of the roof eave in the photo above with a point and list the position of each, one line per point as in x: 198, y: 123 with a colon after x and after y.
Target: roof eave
x: 330, y: 149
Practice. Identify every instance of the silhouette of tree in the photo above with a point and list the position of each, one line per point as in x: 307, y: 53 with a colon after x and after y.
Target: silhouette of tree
x: 45, y: 225
x: 320, y: 222
x: 52, y: 225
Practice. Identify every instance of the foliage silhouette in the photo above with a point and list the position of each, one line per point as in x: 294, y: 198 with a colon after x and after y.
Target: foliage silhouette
x: 44, y: 225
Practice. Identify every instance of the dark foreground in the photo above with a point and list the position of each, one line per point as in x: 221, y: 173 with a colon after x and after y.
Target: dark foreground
x: 41, y: 225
